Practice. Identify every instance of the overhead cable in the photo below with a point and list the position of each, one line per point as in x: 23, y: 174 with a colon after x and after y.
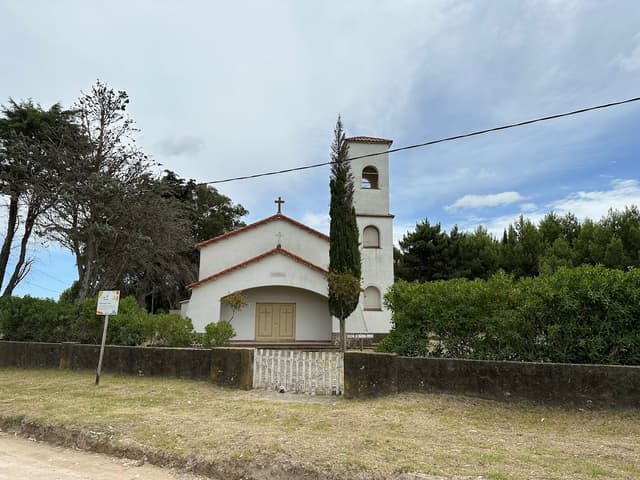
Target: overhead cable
x: 427, y: 143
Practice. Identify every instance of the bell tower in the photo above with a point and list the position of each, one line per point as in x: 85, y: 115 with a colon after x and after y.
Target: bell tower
x: 375, y: 225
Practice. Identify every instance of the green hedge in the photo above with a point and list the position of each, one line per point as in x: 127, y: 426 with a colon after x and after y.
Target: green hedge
x: 38, y: 320
x: 576, y: 315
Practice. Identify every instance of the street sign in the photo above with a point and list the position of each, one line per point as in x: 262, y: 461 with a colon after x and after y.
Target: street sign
x: 108, y: 302
x: 107, y: 305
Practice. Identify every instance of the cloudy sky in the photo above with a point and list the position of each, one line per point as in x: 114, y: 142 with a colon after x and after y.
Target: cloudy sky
x: 221, y: 89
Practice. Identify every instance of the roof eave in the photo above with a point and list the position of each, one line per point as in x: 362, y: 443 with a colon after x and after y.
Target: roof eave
x: 264, y: 221
x: 257, y: 258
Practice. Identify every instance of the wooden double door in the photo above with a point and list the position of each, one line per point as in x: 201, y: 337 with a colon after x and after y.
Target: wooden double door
x: 275, y: 322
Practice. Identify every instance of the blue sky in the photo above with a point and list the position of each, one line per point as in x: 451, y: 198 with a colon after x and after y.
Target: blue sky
x: 220, y: 89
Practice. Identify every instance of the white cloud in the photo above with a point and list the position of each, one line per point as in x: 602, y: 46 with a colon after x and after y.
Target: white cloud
x: 583, y: 204
x: 630, y: 62
x: 596, y: 204
x: 400, y: 229
x: 496, y: 226
x: 490, y: 200
x: 319, y: 221
x: 528, y: 207
x: 261, y: 85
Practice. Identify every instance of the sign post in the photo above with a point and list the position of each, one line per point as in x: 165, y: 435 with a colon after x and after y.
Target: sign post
x: 107, y: 305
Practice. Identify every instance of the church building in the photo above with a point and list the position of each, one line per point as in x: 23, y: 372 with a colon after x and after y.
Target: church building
x: 281, y: 267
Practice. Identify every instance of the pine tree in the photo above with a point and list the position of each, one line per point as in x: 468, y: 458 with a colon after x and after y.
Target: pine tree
x: 344, y: 254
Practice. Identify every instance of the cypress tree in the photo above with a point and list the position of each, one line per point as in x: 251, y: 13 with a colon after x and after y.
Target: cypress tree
x: 344, y: 254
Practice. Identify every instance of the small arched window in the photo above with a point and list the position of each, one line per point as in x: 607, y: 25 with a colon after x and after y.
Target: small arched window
x: 372, y: 300
x: 369, y: 178
x: 371, y: 237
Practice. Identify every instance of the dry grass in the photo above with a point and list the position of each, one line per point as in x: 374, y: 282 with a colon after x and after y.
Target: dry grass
x: 431, y: 434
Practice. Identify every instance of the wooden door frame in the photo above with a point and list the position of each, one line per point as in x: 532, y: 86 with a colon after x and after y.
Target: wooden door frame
x: 295, y: 321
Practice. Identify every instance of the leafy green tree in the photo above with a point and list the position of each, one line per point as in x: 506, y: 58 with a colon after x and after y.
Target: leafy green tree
x: 583, y: 246
x: 456, y: 267
x: 82, y: 182
x: 625, y: 227
x: 344, y: 254
x: 602, y: 237
x: 614, y: 256
x: 34, y: 147
x: 429, y: 253
x: 521, y: 248
x: 479, y: 252
x: 210, y: 213
x: 570, y: 228
x: 558, y: 237
x: 204, y: 213
x: 113, y: 215
x: 106, y: 180
x: 558, y: 255
x: 525, y: 250
x: 344, y: 293
x: 550, y: 228
x: 151, y: 250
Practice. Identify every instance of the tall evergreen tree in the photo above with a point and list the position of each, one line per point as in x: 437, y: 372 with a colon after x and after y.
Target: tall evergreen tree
x: 344, y: 254
x: 425, y: 255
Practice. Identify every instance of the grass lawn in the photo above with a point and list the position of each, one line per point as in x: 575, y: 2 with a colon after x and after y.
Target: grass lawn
x: 431, y: 434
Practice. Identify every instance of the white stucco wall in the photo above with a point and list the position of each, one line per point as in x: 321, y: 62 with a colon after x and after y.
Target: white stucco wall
x: 238, y: 248
x: 276, y: 270
x: 370, y: 200
x: 184, y: 306
x: 377, y: 263
x: 313, y: 321
x: 366, y: 321
x: 271, y: 275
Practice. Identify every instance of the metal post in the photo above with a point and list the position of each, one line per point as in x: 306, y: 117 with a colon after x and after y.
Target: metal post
x: 104, y: 339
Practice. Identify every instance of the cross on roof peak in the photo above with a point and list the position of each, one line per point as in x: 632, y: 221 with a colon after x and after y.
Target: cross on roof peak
x: 279, y: 201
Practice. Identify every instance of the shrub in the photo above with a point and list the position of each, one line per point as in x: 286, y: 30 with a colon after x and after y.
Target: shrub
x: 31, y: 319
x: 168, y: 330
x: 590, y: 315
x: 35, y: 319
x: 582, y: 315
x: 218, y: 334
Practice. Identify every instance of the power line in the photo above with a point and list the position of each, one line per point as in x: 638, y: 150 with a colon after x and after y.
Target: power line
x: 42, y: 272
x: 30, y: 283
x: 423, y: 144
x: 430, y: 142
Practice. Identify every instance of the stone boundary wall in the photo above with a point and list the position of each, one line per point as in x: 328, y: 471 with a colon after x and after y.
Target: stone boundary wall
x: 229, y: 367
x: 373, y: 374
x: 232, y: 367
x: 365, y: 374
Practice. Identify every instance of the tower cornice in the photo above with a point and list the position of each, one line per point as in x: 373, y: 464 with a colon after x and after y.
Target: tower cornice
x: 375, y: 215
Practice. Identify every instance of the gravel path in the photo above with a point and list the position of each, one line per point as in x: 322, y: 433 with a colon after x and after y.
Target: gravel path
x: 22, y: 459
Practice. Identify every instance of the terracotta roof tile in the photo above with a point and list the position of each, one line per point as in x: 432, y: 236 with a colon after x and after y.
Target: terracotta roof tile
x: 257, y: 258
x: 369, y: 140
x: 277, y: 216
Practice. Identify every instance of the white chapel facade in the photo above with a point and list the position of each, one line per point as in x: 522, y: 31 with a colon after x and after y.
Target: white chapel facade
x: 281, y: 267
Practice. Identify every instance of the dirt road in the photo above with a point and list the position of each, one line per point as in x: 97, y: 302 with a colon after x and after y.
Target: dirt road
x: 22, y: 459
